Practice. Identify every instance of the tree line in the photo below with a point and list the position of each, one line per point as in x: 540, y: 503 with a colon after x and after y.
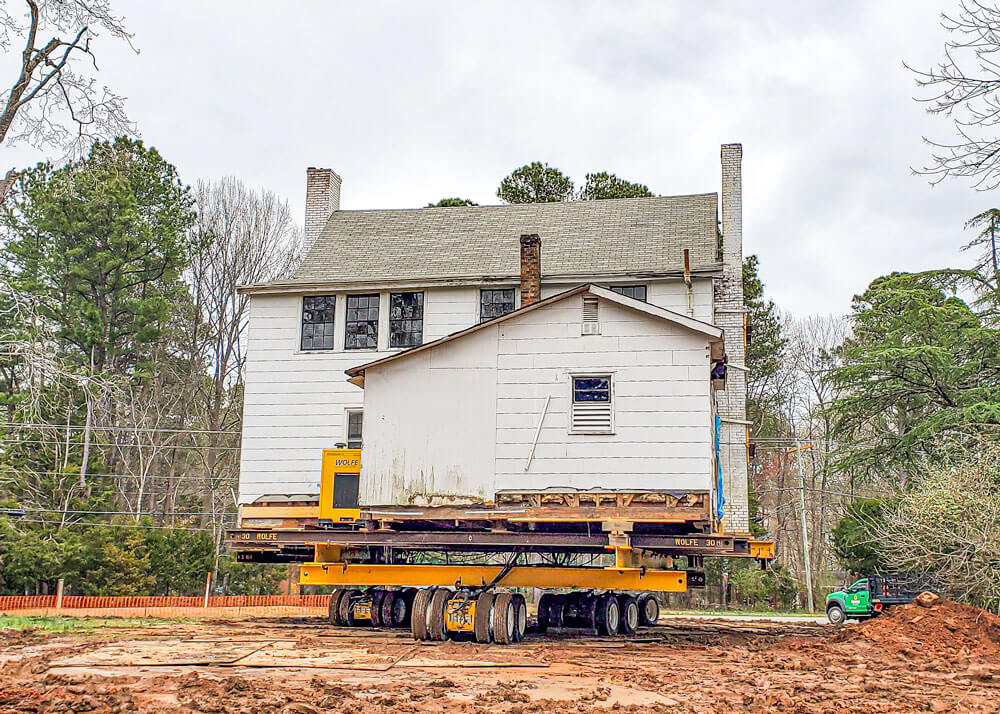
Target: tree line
x: 122, y: 351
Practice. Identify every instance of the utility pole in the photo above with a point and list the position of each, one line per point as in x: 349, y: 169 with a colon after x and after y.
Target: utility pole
x: 805, y: 533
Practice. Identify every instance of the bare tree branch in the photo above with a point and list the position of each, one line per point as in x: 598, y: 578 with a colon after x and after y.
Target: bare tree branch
x: 52, y: 101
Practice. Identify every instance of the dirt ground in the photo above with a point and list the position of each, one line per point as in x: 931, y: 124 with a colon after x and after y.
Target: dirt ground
x: 944, y: 658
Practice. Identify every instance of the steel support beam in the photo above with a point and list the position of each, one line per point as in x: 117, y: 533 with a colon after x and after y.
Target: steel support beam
x: 345, y: 574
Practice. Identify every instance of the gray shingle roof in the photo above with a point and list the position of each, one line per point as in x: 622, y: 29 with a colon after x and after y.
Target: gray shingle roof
x: 580, y: 238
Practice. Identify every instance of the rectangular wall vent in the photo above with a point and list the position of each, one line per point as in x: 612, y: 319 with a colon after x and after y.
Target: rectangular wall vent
x: 591, y: 324
x: 592, y: 405
x: 592, y: 418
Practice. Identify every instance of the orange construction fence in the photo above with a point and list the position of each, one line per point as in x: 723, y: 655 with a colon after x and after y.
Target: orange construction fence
x: 14, y: 603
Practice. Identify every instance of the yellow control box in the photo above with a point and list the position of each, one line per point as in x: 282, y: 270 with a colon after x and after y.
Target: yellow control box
x: 339, y: 483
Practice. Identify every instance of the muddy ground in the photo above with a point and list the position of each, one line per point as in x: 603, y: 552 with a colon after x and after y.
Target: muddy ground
x: 940, y: 659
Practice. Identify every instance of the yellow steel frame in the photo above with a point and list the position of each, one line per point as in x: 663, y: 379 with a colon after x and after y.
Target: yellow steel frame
x: 362, y: 575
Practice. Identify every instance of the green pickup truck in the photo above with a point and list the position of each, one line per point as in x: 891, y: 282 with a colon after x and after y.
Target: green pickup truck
x: 870, y: 596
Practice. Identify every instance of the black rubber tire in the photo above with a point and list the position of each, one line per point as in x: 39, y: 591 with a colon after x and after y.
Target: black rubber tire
x: 607, y: 615
x: 334, y: 612
x: 649, y: 610
x: 377, y: 595
x: 484, y: 615
x: 520, y: 617
x: 385, y: 608
x: 418, y: 614
x: 544, y: 606
x: 835, y: 614
x: 588, y: 607
x: 389, y: 612
x: 437, y: 628
x: 504, y: 619
x: 628, y: 614
x: 557, y: 610
x: 346, y: 608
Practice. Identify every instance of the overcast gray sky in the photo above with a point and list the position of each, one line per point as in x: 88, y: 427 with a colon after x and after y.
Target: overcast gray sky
x: 411, y: 102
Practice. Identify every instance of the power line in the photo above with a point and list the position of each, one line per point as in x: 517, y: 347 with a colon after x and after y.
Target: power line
x: 74, y: 427
x: 189, y: 447
x: 148, y: 477
x: 113, y: 525
x: 125, y: 513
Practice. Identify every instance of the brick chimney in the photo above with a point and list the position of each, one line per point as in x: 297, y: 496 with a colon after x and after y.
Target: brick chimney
x: 531, y: 269
x: 322, y: 199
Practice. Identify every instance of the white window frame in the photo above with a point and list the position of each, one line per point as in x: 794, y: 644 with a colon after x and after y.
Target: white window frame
x: 596, y: 374
x: 347, y: 425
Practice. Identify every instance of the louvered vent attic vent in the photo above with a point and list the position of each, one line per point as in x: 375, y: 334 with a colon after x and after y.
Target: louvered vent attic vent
x: 591, y: 324
x: 592, y: 411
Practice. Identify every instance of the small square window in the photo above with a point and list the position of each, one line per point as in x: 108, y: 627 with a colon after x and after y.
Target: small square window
x: 495, y: 303
x: 317, y: 322
x: 637, y: 292
x: 406, y: 319
x: 361, y: 330
x: 355, y: 420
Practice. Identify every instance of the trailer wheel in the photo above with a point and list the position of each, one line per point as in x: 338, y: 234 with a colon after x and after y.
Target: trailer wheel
x: 504, y: 619
x: 484, y: 615
x: 346, y: 608
x: 377, y: 595
x: 544, y: 616
x: 649, y: 610
x: 557, y: 610
x: 835, y: 614
x: 628, y: 609
x: 520, y: 617
x: 334, y: 612
x: 608, y: 615
x: 418, y: 613
x: 394, y: 609
x: 437, y: 628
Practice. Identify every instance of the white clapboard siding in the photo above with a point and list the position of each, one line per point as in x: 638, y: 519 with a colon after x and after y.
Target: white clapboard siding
x: 429, y: 426
x: 295, y: 401
x: 661, y: 426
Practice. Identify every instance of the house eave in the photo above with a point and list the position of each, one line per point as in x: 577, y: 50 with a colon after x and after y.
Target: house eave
x: 306, y: 287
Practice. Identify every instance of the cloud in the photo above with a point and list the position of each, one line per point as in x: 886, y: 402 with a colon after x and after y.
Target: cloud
x: 411, y: 102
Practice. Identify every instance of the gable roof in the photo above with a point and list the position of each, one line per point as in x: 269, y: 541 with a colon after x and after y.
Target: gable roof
x: 710, y: 331
x: 580, y: 239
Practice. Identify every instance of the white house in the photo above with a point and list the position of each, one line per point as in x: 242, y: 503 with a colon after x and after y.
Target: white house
x: 588, y: 390
x: 374, y: 283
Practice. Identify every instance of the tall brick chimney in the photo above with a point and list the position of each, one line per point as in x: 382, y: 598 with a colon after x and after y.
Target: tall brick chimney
x: 729, y: 312
x: 531, y: 269
x: 322, y: 199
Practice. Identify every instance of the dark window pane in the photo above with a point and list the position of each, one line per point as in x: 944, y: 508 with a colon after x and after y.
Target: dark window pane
x: 354, y: 423
x: 495, y: 303
x: 406, y: 325
x: 361, y: 329
x: 317, y: 322
x: 592, y: 389
x: 638, y: 292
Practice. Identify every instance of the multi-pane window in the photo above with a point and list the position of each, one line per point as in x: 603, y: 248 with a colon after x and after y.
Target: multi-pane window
x: 495, y: 303
x: 361, y: 332
x: 406, y: 319
x: 633, y: 291
x: 317, y: 322
x: 592, y: 411
x: 355, y: 419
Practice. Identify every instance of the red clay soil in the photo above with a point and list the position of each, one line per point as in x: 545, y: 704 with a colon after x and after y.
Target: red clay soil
x: 946, y: 629
x: 944, y: 658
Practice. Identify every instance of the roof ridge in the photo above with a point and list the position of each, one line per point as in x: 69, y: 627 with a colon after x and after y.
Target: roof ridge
x: 518, y: 205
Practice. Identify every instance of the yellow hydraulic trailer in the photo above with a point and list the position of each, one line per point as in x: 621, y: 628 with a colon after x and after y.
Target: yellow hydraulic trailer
x: 442, y: 571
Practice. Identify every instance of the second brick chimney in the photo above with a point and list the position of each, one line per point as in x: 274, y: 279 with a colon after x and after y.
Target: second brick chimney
x: 531, y: 269
x: 322, y: 199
